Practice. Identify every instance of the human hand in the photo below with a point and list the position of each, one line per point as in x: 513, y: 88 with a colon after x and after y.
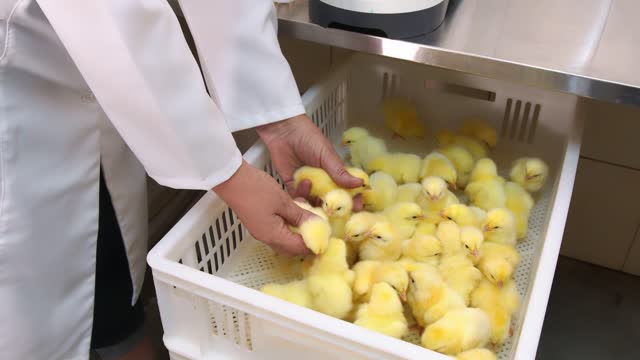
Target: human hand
x: 296, y: 142
x: 265, y: 209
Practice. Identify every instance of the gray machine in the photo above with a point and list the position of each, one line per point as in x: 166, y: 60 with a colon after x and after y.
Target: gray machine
x: 395, y: 19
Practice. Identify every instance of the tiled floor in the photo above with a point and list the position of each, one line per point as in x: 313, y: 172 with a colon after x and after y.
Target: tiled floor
x: 593, y: 314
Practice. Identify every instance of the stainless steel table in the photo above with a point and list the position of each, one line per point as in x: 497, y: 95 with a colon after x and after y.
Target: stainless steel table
x: 589, y: 48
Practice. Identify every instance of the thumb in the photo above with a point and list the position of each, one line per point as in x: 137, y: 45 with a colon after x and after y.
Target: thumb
x: 333, y: 165
x: 293, y: 214
x: 289, y: 243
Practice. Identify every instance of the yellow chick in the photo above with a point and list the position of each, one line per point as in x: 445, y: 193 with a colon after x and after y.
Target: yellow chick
x: 477, y: 354
x: 530, y: 173
x: 499, y: 304
x: 329, y: 281
x: 425, y: 228
x: 382, y: 194
x: 500, y: 227
x: 404, y: 168
x: 520, y: 203
x: 408, y: 192
x: 485, y: 169
x: 360, y: 174
x: 315, y: 232
x: 436, y: 164
x: 487, y: 194
x: 401, y: 117
x: 462, y: 160
x: 370, y: 148
x: 464, y: 215
x: 498, y: 262
x: 359, y: 224
x: 315, y: 210
x: 477, y: 149
x: 448, y: 233
x: 383, y: 243
x: 370, y: 272
x: 422, y: 248
x: 295, y: 292
x: 405, y: 217
x: 481, y: 130
x: 460, y: 274
x: 429, y: 297
x: 384, y: 312
x: 472, y: 239
x: 337, y: 204
x: 435, y: 197
x: 351, y: 138
x: 458, y: 331
x: 321, y: 182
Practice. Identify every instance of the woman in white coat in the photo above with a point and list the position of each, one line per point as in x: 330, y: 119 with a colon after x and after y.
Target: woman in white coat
x: 112, y: 85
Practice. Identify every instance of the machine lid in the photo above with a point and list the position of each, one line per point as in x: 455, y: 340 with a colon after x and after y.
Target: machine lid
x: 383, y: 6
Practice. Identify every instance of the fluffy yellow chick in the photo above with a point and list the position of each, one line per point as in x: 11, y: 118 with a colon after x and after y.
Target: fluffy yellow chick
x: 405, y: 217
x: 520, y: 203
x: 383, y: 243
x: 499, y: 304
x: 481, y: 130
x: 360, y: 174
x: 464, y: 215
x: 422, y: 248
x: 337, y: 204
x: 382, y: 194
x: 384, y: 312
x: 436, y: 164
x: 295, y: 292
x: 530, y: 173
x: 462, y: 160
x: 321, y: 182
x: 403, y: 167
x: 329, y: 281
x: 429, y: 297
x: 448, y: 233
x: 477, y: 149
x: 370, y: 272
x: 359, y: 224
x: 500, y: 227
x: 435, y: 197
x: 485, y: 169
x: 498, y: 262
x: 351, y: 138
x: 401, y: 117
x: 408, y: 192
x: 487, y: 194
x: 315, y: 210
x: 425, y: 228
x: 315, y: 232
x: 472, y: 239
x: 477, y: 354
x: 458, y: 331
x: 460, y: 274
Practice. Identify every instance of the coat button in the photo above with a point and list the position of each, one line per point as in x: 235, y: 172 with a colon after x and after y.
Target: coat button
x: 88, y: 98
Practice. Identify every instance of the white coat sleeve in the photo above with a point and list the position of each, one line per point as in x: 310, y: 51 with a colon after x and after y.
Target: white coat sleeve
x: 135, y: 60
x: 243, y: 65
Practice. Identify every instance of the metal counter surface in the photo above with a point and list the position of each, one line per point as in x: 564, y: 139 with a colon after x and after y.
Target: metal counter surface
x: 590, y: 48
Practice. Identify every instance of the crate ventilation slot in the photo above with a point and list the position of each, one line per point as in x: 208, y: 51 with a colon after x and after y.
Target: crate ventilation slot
x: 331, y: 112
x: 460, y: 90
x: 520, y: 121
x: 233, y: 324
x: 215, y: 246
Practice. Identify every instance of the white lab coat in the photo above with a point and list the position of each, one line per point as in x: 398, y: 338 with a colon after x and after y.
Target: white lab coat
x: 76, y: 78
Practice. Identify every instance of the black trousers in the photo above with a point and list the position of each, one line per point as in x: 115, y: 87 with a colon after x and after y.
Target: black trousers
x: 114, y: 319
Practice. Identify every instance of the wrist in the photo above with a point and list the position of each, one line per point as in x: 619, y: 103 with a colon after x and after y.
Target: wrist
x: 278, y: 129
x: 229, y: 187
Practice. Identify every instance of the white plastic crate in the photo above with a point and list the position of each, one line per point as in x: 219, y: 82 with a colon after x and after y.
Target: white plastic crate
x: 207, y: 268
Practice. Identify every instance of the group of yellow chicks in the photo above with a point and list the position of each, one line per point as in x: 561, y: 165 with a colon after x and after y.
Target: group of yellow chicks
x: 417, y: 242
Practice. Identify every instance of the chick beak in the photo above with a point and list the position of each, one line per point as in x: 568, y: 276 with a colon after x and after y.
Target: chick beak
x: 441, y: 213
x: 347, y: 238
x: 529, y: 177
x: 475, y: 253
x: 453, y: 186
x: 434, y: 197
x: 367, y: 235
x: 368, y: 187
x: 329, y: 212
x: 403, y: 295
x: 420, y: 217
x: 343, y: 144
x: 485, y: 228
x: 499, y: 284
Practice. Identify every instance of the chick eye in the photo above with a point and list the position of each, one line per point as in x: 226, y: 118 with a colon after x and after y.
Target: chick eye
x: 467, y: 246
x: 414, y: 217
x: 496, y: 227
x: 413, y: 281
x: 436, y: 254
x: 449, y: 218
x: 339, y: 208
x: 378, y: 237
